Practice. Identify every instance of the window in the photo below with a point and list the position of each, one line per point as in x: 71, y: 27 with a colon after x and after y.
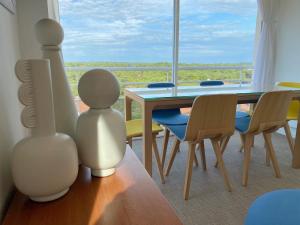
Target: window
x: 135, y: 40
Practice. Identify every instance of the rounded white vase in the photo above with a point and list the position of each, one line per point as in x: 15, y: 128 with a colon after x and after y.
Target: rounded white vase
x: 44, y: 167
x: 101, y: 131
x: 101, y: 140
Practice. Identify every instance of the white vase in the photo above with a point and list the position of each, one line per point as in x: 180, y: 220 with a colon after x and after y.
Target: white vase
x: 101, y: 131
x: 50, y: 34
x: 44, y: 165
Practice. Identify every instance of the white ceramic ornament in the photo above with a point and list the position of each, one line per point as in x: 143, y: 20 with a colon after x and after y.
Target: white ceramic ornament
x: 101, y: 131
x: 50, y: 34
x: 44, y: 165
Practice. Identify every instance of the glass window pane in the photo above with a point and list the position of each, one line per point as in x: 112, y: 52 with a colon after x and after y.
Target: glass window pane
x: 131, y: 38
x: 216, y: 33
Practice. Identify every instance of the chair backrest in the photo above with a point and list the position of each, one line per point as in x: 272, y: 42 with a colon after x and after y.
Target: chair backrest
x: 161, y: 85
x: 294, y: 105
x: 212, y: 116
x: 270, y: 111
x: 212, y: 83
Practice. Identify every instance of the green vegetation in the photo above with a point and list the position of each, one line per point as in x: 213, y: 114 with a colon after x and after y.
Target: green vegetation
x: 186, y: 77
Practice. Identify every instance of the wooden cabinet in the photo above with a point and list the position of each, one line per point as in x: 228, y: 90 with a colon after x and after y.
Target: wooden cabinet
x: 128, y: 197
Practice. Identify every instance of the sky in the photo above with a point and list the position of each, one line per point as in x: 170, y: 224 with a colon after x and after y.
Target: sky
x: 211, y: 31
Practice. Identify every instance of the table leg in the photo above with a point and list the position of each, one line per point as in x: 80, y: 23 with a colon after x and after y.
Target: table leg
x: 128, y: 114
x: 296, y: 153
x: 128, y: 108
x: 147, y: 137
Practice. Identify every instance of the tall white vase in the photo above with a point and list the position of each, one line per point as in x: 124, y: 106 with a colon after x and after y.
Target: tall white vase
x: 50, y: 34
x: 44, y: 165
x: 101, y: 132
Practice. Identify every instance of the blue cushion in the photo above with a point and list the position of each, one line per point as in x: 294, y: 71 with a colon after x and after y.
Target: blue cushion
x: 240, y: 114
x: 280, y: 207
x: 169, y: 117
x: 161, y: 85
x: 242, y: 123
x: 211, y: 83
x: 178, y: 130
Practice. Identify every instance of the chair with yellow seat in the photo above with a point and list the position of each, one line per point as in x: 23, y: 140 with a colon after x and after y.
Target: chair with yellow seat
x: 293, y: 112
x: 134, y: 128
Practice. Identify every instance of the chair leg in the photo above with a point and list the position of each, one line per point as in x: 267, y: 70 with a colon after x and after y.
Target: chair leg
x: 242, y: 136
x: 165, y: 146
x: 217, y: 149
x: 202, y: 154
x: 196, y: 160
x: 288, y: 134
x: 247, y: 158
x: 129, y: 141
x: 189, y: 170
x: 158, y: 162
x: 270, y: 149
x: 267, y: 155
x: 173, y: 154
x: 223, y: 147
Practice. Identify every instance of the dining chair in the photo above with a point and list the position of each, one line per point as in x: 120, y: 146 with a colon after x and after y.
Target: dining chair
x: 167, y: 117
x: 268, y: 116
x: 212, y: 117
x: 134, y: 128
x: 292, y: 114
x: 276, y: 207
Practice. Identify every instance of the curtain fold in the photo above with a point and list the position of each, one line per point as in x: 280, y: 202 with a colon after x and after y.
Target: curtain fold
x: 264, y: 68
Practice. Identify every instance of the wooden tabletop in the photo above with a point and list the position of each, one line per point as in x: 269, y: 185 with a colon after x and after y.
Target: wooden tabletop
x: 129, y: 197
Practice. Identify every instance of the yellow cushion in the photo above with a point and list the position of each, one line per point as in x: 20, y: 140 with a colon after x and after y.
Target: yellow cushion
x: 134, y: 128
x: 294, y: 106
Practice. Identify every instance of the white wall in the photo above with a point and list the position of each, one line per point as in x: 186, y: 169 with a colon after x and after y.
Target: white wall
x: 288, y: 42
x: 10, y: 128
x: 288, y: 45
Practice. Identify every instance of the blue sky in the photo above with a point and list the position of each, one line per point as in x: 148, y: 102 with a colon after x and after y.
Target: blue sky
x: 211, y: 31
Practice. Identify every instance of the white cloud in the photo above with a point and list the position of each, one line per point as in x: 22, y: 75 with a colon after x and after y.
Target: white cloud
x: 118, y: 25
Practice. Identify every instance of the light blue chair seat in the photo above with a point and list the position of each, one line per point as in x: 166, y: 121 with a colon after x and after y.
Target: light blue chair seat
x: 240, y: 114
x: 178, y: 130
x: 168, y: 116
x: 212, y: 83
x: 280, y: 207
x: 242, y: 123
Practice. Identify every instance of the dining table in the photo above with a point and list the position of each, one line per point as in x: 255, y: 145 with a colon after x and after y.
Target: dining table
x: 183, y: 96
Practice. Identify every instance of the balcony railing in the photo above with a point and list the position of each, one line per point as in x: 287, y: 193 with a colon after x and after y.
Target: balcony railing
x: 244, y: 74
x: 141, y: 76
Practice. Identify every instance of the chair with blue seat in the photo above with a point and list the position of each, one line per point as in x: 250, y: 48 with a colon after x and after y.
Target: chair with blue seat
x: 167, y: 117
x: 208, y: 83
x: 211, y: 83
x: 238, y: 114
x: 279, y: 207
x: 212, y: 117
x: 268, y: 116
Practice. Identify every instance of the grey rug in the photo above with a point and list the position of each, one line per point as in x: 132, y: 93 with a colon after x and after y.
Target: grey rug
x: 210, y: 203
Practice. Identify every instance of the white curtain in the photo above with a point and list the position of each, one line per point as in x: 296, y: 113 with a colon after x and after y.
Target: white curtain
x: 264, y: 68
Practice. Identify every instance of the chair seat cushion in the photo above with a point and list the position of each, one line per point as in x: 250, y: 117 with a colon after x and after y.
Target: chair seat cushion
x: 240, y: 114
x: 178, y: 130
x: 134, y: 128
x: 242, y: 123
x: 275, y: 208
x: 169, y: 117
